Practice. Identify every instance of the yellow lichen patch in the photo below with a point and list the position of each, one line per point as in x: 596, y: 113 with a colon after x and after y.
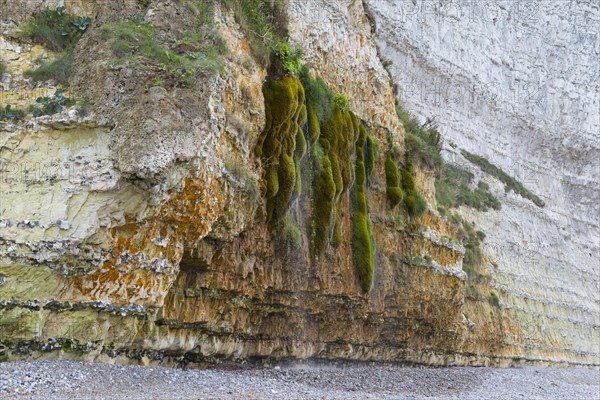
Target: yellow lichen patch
x: 142, y: 264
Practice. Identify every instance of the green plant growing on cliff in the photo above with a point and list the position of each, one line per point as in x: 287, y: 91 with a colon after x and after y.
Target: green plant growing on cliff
x: 392, y: 178
x: 277, y: 145
x: 290, y: 59
x: 263, y: 23
x: 494, y: 299
x: 52, y: 105
x: 510, y: 183
x: 59, y: 31
x: 318, y: 94
x: 144, y: 3
x: 197, y: 50
x: 58, y: 69
x: 56, y: 29
x: 2, y: 68
x: 12, y: 114
x: 452, y: 190
x: 340, y: 101
x: 362, y: 246
x: 423, y: 145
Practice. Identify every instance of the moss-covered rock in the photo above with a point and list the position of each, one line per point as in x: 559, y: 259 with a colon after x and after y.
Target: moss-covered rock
x: 314, y: 129
x: 414, y: 201
x: 336, y: 140
x: 370, y: 155
x: 282, y: 144
x: 362, y: 246
x: 323, y: 204
x: 392, y: 178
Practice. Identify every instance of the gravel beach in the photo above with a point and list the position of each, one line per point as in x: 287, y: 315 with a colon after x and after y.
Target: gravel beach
x: 78, y: 380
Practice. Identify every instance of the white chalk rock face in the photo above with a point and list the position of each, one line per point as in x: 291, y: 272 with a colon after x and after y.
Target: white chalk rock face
x: 517, y: 83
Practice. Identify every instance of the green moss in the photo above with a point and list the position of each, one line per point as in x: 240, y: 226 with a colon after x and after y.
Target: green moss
x: 494, y: 299
x: 370, y: 155
x: 392, y: 178
x: 282, y: 145
x: 314, y: 129
x: 413, y: 200
x: 394, y: 195
x: 362, y: 246
x: 337, y: 141
x: 323, y: 203
x: 337, y: 138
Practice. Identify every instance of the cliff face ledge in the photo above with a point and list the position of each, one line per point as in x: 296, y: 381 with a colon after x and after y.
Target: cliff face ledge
x: 162, y: 254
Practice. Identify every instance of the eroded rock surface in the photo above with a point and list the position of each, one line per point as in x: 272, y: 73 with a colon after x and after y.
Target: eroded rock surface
x: 138, y: 233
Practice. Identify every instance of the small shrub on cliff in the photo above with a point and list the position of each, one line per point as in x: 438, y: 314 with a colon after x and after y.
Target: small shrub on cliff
x: 318, y: 93
x: 12, y: 114
x: 52, y: 105
x: 392, y: 178
x: 58, y: 69
x: 56, y: 29
x: 341, y: 101
x: 423, y: 145
x: 263, y: 22
x: 494, y: 299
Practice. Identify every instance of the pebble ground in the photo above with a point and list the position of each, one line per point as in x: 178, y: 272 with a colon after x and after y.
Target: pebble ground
x: 51, y: 380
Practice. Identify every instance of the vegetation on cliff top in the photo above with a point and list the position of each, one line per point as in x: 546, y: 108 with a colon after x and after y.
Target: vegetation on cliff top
x: 59, y: 31
x: 263, y: 23
x: 199, y: 49
x: 56, y: 29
